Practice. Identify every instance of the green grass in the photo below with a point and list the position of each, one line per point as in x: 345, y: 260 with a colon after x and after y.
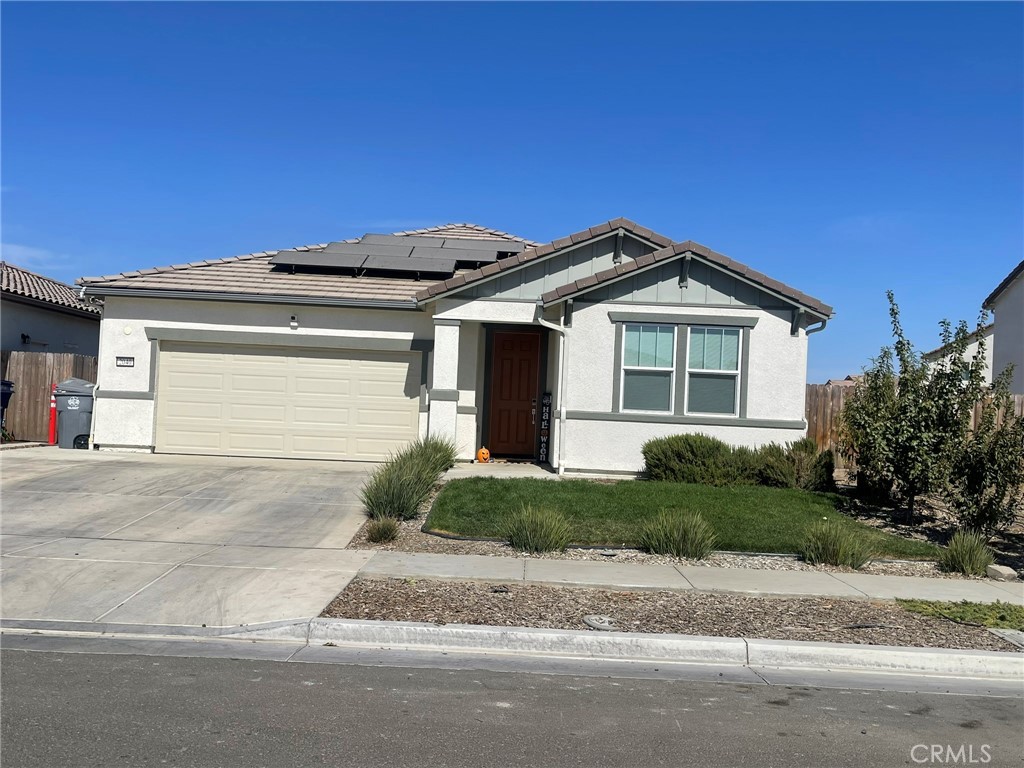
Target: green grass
x: 744, y: 518
x: 996, y: 615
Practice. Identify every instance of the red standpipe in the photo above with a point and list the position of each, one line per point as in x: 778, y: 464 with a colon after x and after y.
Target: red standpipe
x: 53, y: 416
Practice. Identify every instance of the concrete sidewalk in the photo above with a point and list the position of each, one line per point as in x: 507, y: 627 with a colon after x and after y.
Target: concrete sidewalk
x: 633, y: 576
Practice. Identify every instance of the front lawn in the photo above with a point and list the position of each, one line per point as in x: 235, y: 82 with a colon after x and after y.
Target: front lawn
x: 745, y: 518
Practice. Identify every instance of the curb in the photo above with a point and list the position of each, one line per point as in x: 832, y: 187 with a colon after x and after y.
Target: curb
x: 750, y: 652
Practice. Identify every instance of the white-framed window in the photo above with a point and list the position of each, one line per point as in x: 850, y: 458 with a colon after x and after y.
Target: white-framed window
x: 648, y: 368
x: 713, y: 371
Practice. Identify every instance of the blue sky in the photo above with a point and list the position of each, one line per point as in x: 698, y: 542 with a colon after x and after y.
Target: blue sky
x: 841, y: 148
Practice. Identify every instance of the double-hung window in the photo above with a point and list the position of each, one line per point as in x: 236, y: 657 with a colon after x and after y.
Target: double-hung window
x: 648, y: 367
x: 713, y: 371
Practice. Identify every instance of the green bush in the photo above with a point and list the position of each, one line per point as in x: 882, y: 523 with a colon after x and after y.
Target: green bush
x: 829, y: 543
x: 693, y: 459
x: 967, y: 553
x: 678, y: 533
x: 382, y: 529
x: 398, y: 487
x: 538, y: 529
x: 775, y: 467
x: 822, y: 474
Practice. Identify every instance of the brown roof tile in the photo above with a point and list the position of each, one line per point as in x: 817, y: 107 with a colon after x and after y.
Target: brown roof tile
x: 20, y: 282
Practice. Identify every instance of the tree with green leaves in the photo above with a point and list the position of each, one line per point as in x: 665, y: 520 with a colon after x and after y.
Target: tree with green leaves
x: 908, y: 418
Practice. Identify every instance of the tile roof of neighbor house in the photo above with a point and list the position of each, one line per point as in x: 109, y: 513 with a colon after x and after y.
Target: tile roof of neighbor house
x: 976, y: 333
x: 20, y: 282
x: 1014, y: 274
x: 253, y: 274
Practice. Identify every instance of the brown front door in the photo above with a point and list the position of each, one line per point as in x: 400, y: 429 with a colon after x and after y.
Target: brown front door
x: 515, y: 384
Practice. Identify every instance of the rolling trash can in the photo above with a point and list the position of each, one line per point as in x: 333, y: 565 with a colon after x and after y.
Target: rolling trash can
x: 74, y: 412
x: 6, y: 390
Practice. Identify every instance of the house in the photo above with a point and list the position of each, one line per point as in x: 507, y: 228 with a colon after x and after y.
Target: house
x: 39, y: 314
x: 849, y: 381
x: 985, y: 336
x: 572, y: 353
x: 1006, y: 302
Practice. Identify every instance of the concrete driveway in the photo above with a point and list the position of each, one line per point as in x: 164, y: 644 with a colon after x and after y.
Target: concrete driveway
x: 174, y: 540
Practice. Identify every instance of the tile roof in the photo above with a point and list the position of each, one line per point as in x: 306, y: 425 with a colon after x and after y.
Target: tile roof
x: 20, y: 282
x: 536, y: 252
x: 253, y: 275
x: 678, y: 249
x: 1014, y: 274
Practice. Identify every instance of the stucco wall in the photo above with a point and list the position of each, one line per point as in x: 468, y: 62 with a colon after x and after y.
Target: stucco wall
x: 60, y: 331
x: 129, y: 421
x: 1008, y: 347
x: 972, y: 350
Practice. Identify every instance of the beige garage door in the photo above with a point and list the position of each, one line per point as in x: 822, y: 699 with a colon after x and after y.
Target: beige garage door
x: 266, y: 401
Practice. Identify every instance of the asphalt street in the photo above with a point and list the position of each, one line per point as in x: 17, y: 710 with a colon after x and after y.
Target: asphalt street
x: 82, y: 709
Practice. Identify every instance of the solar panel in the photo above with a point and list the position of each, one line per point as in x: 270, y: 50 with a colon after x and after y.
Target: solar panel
x: 403, y: 240
x: 502, y: 246
x: 319, y: 259
x: 393, y: 264
x: 451, y: 253
x: 399, y: 251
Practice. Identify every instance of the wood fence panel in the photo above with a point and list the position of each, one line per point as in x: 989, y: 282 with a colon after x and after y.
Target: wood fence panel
x: 34, y: 374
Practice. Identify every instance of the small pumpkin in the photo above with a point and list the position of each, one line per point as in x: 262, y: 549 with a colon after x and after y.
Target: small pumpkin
x: 483, y: 456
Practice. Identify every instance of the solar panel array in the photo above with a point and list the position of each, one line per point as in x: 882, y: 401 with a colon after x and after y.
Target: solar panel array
x: 405, y: 254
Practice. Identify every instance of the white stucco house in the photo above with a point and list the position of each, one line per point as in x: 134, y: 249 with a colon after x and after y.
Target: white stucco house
x: 572, y: 353
x: 982, y: 337
x: 1006, y: 303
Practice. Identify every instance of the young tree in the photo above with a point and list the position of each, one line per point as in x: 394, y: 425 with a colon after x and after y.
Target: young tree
x: 907, y: 419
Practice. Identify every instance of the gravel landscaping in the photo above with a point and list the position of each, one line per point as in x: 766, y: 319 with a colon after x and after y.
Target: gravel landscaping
x: 514, y: 605
x: 412, y: 539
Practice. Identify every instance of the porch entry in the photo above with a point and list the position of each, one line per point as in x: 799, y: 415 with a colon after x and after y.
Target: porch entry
x: 514, y: 399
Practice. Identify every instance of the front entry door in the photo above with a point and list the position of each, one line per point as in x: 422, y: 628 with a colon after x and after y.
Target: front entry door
x: 515, y: 384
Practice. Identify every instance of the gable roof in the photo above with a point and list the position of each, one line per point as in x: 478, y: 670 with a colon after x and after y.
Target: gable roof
x: 20, y: 282
x: 994, y: 296
x: 974, y: 335
x: 459, y: 281
x: 252, y: 275
x: 675, y: 250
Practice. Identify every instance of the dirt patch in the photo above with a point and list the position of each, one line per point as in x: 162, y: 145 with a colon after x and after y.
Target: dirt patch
x: 412, y: 539
x: 514, y: 605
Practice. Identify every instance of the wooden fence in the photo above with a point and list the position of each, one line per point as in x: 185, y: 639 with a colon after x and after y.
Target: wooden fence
x: 825, y: 402
x: 34, y: 374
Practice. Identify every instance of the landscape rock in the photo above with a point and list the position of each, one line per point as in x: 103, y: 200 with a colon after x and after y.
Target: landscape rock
x: 1001, y: 573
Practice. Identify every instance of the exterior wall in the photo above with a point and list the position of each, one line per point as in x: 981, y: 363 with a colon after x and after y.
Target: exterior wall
x: 1008, y: 347
x: 61, y: 331
x: 125, y: 410
x: 972, y: 350
x: 528, y: 283
x: 776, y: 367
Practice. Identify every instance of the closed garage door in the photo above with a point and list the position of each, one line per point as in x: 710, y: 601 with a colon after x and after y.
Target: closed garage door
x: 266, y: 401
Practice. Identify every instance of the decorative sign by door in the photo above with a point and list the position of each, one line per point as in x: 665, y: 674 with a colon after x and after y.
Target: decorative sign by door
x: 545, y: 427
x: 124, y: 362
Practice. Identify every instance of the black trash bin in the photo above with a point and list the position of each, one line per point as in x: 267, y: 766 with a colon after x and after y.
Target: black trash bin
x: 6, y: 390
x: 74, y: 412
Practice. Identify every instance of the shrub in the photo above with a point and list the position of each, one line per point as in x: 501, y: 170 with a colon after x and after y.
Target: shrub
x: 678, y: 533
x: 538, y: 529
x: 398, y: 487
x: 829, y: 543
x: 775, y: 467
x: 967, y: 553
x: 436, y: 453
x: 822, y: 474
x: 693, y: 459
x: 382, y: 529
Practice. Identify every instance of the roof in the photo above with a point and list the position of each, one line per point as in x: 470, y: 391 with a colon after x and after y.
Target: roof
x: 677, y: 249
x: 538, y: 251
x: 20, y: 282
x: 253, y: 274
x: 976, y: 333
x: 992, y: 297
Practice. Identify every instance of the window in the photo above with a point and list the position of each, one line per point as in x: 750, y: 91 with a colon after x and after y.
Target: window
x: 648, y: 367
x: 713, y: 371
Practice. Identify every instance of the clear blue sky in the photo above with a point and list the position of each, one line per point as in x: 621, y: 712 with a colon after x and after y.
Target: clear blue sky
x: 841, y: 148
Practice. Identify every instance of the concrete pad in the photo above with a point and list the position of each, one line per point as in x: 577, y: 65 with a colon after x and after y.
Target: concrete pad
x: 761, y: 582
x: 1015, y: 588
x: 125, y: 478
x: 117, y: 550
x: 70, y: 590
x: 54, y: 514
x: 252, y: 523
x: 498, y: 469
x: 286, y: 558
x: 612, y: 575
x: 456, y: 567
x: 283, y: 483
x: 222, y: 597
x: 916, y: 587
x: 10, y: 543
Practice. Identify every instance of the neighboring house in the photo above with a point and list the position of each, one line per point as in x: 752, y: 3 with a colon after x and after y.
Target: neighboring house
x: 985, y: 335
x: 38, y: 314
x: 849, y: 381
x: 347, y: 350
x: 1006, y: 302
